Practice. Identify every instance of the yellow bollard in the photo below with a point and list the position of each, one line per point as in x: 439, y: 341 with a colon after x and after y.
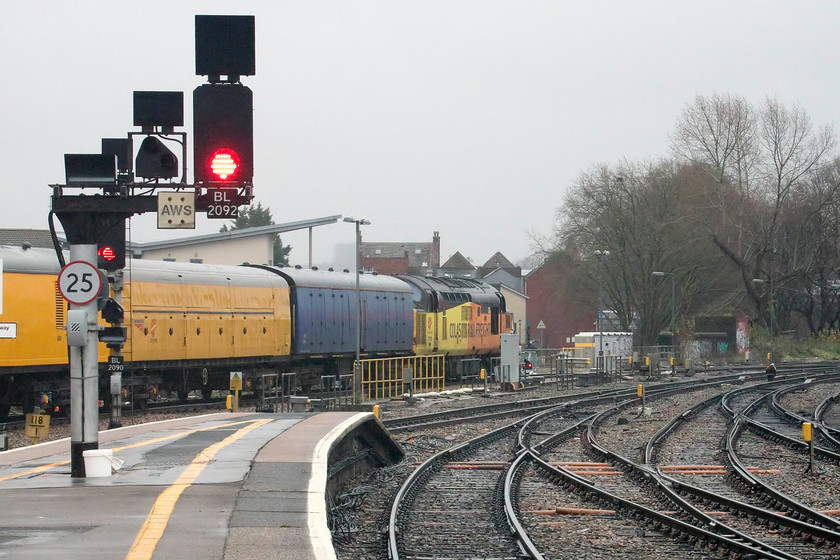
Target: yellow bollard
x: 807, y: 436
x: 375, y: 410
x: 228, y: 402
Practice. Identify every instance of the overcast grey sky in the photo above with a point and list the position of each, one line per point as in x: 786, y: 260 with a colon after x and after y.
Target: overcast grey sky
x: 470, y: 118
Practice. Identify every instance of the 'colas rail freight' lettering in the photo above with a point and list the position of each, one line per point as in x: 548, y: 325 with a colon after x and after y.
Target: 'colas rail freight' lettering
x: 458, y: 330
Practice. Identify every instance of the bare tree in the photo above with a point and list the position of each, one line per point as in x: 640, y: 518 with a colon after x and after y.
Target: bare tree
x: 634, y: 211
x: 759, y: 159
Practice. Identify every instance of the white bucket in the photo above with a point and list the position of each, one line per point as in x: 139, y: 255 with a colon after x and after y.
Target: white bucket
x: 97, y: 462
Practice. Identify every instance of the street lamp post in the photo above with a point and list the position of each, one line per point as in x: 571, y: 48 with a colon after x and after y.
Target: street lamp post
x: 600, y: 255
x: 771, y: 308
x: 357, y: 366
x: 661, y: 274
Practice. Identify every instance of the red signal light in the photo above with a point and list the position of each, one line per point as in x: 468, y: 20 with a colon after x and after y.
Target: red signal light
x: 224, y: 164
x: 107, y: 253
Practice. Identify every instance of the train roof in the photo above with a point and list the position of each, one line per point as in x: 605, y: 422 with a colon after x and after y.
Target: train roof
x: 309, y: 278
x: 455, y: 285
x: 44, y: 261
x: 479, y: 292
x: 203, y: 274
x: 31, y: 259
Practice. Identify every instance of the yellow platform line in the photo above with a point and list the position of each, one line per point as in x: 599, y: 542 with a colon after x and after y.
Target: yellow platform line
x: 158, y: 518
x: 43, y: 468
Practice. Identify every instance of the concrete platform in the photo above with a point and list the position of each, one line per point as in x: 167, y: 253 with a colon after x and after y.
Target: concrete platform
x: 227, y: 486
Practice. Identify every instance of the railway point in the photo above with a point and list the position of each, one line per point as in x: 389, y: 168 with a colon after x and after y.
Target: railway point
x: 227, y: 486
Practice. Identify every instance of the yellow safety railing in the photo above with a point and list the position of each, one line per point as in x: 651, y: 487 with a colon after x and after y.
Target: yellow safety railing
x: 385, y: 378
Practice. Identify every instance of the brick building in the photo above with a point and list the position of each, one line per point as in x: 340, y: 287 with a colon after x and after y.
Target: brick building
x: 558, y: 303
x: 422, y: 258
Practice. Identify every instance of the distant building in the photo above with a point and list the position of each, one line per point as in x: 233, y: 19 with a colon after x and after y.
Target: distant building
x: 457, y: 266
x: 40, y: 238
x: 421, y: 258
x: 555, y: 303
x: 517, y: 305
x: 499, y: 270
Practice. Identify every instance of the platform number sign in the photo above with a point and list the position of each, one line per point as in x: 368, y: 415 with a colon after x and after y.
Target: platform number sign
x: 79, y: 282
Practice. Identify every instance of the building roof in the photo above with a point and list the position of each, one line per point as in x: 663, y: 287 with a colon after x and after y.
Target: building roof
x: 458, y: 262
x: 498, y: 260
x: 35, y: 237
x: 234, y: 234
x: 418, y: 254
x: 503, y: 287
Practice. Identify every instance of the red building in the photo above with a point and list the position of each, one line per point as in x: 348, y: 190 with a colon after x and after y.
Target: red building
x: 556, y: 300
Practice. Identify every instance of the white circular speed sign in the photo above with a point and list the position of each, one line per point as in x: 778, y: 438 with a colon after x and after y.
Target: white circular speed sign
x: 79, y: 282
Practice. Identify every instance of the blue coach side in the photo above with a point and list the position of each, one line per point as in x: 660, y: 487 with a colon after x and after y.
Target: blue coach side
x: 324, y: 313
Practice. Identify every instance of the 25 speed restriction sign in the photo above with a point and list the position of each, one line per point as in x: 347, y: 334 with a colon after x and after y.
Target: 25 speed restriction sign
x: 79, y: 282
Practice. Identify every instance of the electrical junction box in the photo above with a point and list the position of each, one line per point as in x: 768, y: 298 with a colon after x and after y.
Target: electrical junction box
x: 511, y: 359
x: 77, y: 327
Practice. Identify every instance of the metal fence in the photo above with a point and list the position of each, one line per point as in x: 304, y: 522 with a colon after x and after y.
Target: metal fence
x: 274, y: 392
x: 656, y: 359
x: 571, y: 370
x: 336, y: 391
x: 391, y: 377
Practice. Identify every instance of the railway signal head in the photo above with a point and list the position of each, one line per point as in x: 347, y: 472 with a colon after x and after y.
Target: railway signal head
x: 155, y: 161
x: 112, y: 312
x: 110, y: 251
x: 224, y: 163
x: 223, y: 134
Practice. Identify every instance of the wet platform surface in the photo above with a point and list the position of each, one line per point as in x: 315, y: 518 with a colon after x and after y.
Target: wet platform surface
x: 217, y: 486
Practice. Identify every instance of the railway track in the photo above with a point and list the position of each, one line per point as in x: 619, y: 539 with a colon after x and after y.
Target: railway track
x: 565, y: 479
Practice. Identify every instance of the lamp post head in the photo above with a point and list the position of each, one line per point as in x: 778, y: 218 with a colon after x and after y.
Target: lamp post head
x: 352, y: 220
x: 349, y: 219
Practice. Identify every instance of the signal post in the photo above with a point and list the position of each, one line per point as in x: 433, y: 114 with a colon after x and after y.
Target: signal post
x: 95, y: 224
